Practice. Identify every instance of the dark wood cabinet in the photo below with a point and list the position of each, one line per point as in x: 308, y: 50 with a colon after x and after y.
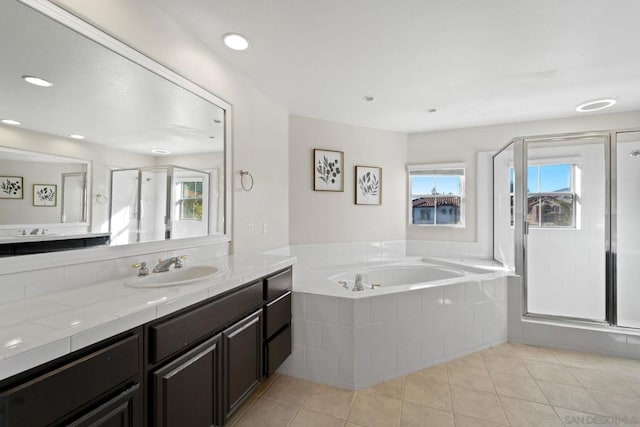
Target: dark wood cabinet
x: 77, y: 385
x: 242, y: 362
x: 121, y: 411
x: 192, y: 368
x: 186, y: 391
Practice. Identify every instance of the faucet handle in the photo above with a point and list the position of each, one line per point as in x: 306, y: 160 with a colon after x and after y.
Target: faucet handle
x: 179, y: 261
x: 143, y: 268
x: 343, y: 283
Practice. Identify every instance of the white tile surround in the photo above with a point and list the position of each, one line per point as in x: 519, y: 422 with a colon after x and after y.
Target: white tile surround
x: 51, y: 312
x: 353, y: 343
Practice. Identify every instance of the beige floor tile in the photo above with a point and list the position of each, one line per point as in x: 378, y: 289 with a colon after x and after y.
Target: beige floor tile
x: 473, y: 360
x: 539, y: 354
x: 391, y: 388
x: 474, y: 378
x: 329, y: 401
x: 617, y: 405
x: 477, y: 404
x: 306, y: 418
x: 578, y: 360
x: 529, y: 414
x: 437, y: 373
x: 414, y: 415
x: 427, y: 393
x: 289, y: 390
x: 519, y: 387
x: 570, y: 397
x: 599, y: 379
x: 502, y: 350
x: 464, y: 421
x: 267, y: 413
x: 509, y: 365
x: 551, y: 372
x: 372, y: 410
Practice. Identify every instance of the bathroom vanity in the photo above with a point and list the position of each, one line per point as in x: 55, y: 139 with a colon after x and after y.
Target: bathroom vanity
x: 194, y: 366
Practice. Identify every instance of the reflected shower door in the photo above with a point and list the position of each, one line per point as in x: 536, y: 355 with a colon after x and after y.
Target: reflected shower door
x: 503, y: 207
x: 123, y: 224
x: 628, y: 228
x: 566, y: 228
x: 154, y: 204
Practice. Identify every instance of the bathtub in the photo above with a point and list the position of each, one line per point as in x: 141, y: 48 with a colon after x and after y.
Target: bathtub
x: 424, y: 312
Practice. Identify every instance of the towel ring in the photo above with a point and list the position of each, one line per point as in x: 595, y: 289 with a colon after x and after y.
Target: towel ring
x: 244, y: 174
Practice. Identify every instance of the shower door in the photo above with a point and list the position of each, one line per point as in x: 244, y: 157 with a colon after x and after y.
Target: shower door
x: 566, y: 226
x: 627, y: 235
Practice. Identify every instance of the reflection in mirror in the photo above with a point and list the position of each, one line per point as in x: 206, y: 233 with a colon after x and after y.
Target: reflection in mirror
x: 147, y: 159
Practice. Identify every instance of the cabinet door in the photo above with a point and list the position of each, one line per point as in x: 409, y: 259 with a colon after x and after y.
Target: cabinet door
x: 186, y: 392
x: 242, y: 345
x: 124, y: 410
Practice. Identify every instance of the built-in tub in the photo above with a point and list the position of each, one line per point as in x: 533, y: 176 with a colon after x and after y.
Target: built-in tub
x: 425, y: 312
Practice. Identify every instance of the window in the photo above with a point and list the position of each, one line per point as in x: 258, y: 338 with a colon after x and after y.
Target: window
x: 190, y: 199
x: 436, y: 195
x: 551, y: 198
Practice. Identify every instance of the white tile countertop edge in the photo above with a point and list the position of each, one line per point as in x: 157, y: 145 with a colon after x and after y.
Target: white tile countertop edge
x: 36, y: 330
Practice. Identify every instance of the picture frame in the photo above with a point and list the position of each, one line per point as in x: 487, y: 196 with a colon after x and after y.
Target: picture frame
x: 45, y: 195
x: 368, y: 185
x: 11, y: 187
x: 328, y: 170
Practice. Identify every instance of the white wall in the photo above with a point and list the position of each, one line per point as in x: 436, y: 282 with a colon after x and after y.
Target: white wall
x: 259, y: 126
x: 463, y: 145
x: 332, y: 217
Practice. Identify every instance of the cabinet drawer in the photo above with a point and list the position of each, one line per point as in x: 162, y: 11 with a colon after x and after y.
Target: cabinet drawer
x: 277, y: 350
x: 52, y: 396
x: 277, y: 285
x: 178, y: 332
x: 277, y: 314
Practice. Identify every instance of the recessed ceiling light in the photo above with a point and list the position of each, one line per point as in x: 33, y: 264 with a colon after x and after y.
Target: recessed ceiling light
x: 76, y: 136
x: 160, y: 151
x: 10, y: 122
x: 37, y: 81
x: 235, y: 41
x: 596, y: 105
x: 368, y: 98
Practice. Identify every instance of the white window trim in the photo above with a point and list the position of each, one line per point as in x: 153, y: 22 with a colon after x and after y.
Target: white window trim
x: 436, y: 167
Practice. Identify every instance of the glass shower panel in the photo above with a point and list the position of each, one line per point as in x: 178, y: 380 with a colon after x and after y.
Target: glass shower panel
x: 566, y: 242
x: 153, y: 204
x: 503, y: 207
x: 124, y: 206
x: 628, y: 228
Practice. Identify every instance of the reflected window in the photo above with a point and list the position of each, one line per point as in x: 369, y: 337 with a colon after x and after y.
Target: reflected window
x: 551, y: 196
x: 436, y: 196
x: 190, y: 200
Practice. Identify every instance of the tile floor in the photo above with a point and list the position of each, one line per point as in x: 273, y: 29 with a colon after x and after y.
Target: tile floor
x: 510, y: 384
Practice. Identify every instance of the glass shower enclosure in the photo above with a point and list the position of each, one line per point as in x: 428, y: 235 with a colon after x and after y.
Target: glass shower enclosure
x: 565, y: 219
x: 158, y: 203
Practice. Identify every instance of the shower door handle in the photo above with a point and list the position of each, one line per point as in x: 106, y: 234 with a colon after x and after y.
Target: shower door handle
x: 526, y: 227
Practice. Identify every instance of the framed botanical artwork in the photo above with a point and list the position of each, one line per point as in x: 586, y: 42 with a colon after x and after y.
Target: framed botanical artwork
x: 368, y: 185
x: 45, y: 194
x: 328, y: 170
x: 11, y: 187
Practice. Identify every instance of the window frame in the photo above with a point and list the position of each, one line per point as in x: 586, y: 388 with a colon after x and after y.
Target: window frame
x: 573, y: 164
x: 434, y: 169
x: 180, y: 200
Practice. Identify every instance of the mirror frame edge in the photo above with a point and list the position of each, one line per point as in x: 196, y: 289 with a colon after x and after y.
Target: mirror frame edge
x: 45, y: 260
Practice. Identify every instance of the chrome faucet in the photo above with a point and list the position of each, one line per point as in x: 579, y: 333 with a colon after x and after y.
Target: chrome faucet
x: 34, y: 231
x: 358, y: 286
x: 164, y: 265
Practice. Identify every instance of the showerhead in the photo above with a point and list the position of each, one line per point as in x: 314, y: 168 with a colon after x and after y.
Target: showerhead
x: 635, y: 153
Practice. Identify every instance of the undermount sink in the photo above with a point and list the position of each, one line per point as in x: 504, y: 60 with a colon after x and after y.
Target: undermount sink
x: 175, y: 277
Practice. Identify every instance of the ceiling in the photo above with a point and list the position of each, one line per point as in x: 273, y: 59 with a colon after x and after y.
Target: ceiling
x: 97, y: 93
x: 478, y: 62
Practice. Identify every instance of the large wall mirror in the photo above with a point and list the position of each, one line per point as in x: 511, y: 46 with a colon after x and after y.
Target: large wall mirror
x: 104, y: 142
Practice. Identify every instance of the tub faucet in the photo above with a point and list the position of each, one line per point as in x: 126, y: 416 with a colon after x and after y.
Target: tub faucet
x: 358, y: 286
x: 164, y: 265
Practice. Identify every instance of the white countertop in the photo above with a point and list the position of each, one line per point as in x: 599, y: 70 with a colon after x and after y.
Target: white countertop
x: 37, y: 330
